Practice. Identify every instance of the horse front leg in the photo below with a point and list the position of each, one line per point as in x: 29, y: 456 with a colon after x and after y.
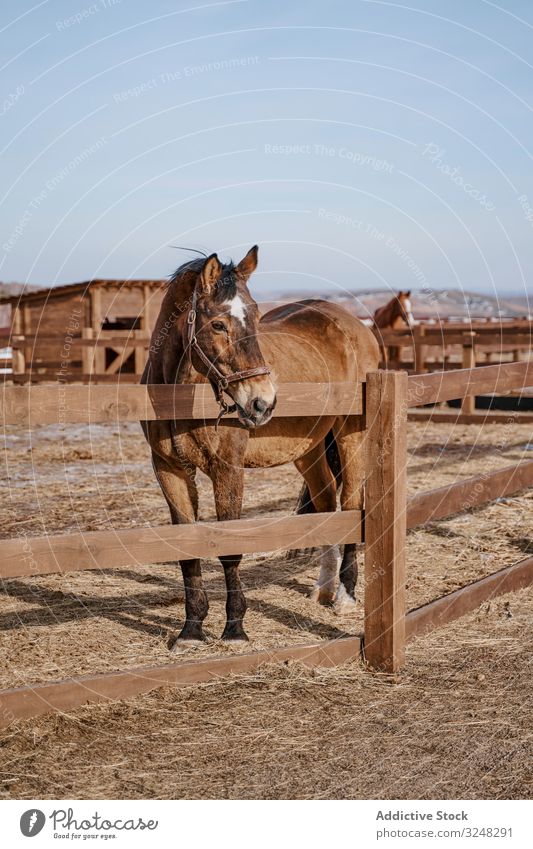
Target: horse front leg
x: 228, y: 491
x: 179, y: 488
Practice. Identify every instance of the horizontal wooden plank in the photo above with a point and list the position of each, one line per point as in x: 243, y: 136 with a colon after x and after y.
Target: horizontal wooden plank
x: 453, y: 332
x: 74, y: 375
x: 160, y: 544
x: 483, y: 417
x: 440, y: 365
x: 76, y: 343
x: 454, y: 605
x: 409, y: 366
x: 454, y: 328
x: 438, y: 339
x: 61, y: 404
x: 479, y: 489
x: 494, y: 380
x: 65, y: 696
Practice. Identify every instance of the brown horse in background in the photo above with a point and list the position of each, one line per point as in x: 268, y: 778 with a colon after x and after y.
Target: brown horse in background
x: 396, y: 313
x: 209, y: 331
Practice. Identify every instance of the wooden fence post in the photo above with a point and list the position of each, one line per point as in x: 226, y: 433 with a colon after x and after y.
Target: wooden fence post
x: 95, y: 293
x: 18, y: 359
x: 420, y: 350
x: 468, y: 404
x: 140, y: 353
x: 87, y: 352
x: 385, y: 520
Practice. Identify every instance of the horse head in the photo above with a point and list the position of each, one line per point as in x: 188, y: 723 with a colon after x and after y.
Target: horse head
x: 404, y: 302
x: 221, y: 338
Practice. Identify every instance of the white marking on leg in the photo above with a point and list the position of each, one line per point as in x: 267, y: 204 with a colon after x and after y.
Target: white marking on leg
x: 344, y: 603
x: 237, y: 308
x: 324, y: 589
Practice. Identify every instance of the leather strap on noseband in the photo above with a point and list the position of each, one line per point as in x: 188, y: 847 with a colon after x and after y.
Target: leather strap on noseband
x: 219, y: 381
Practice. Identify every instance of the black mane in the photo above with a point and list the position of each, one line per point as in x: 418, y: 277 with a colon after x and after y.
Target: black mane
x: 227, y: 284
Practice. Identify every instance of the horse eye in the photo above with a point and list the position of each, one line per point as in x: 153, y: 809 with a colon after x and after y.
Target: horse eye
x: 218, y: 325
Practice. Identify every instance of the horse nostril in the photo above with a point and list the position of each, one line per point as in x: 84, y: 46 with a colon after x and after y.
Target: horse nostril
x: 259, y: 406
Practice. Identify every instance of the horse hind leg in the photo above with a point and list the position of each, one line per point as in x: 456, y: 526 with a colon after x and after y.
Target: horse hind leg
x: 349, y: 436
x: 322, y: 487
x: 305, y: 503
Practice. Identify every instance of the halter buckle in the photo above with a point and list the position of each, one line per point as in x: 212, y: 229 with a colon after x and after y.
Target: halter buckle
x: 224, y: 408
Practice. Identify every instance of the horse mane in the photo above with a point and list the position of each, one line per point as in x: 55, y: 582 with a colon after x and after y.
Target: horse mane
x: 192, y: 266
x: 226, y: 287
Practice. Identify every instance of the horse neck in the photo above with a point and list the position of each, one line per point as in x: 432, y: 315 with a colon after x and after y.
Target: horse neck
x: 166, y: 356
x: 395, y: 314
x: 386, y: 316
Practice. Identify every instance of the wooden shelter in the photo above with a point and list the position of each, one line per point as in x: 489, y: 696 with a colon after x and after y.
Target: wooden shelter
x: 100, y: 327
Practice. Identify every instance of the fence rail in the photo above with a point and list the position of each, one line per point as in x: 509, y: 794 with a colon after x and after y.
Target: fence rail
x: 34, y: 405
x: 467, y: 494
x: 161, y: 544
x: 449, y: 386
x: 98, y: 354
x: 388, y: 514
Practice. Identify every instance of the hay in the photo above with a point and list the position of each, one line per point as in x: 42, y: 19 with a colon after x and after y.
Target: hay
x: 457, y: 724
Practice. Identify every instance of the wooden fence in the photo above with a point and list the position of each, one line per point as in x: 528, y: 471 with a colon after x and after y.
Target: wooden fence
x: 439, y: 347
x: 98, y: 356
x: 383, y: 526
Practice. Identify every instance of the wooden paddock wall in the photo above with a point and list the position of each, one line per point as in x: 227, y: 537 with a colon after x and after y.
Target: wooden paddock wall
x: 439, y: 347
x: 383, y: 526
x: 97, y: 355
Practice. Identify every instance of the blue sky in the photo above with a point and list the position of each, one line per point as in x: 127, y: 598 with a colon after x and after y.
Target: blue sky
x: 361, y: 144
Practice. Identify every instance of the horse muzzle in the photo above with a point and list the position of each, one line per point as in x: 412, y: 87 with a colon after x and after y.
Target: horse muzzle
x: 255, y: 399
x: 256, y: 413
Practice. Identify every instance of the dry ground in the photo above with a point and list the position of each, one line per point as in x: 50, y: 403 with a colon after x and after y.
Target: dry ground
x: 457, y: 723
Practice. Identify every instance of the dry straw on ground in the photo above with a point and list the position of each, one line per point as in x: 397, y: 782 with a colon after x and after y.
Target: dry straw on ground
x: 457, y: 723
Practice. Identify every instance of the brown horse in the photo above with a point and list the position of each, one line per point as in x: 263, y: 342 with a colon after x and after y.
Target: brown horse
x: 396, y: 313
x: 209, y: 330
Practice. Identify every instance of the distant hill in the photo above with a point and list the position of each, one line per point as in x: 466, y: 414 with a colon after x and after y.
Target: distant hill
x: 436, y: 304
x: 441, y: 304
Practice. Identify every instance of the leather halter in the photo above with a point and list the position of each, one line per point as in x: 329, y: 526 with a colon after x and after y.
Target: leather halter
x: 219, y: 381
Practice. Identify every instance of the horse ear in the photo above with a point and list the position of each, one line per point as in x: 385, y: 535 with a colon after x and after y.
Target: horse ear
x: 248, y: 264
x: 210, y: 274
x: 408, y: 294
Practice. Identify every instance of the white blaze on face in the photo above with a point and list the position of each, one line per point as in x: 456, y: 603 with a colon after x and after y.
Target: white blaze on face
x: 408, y: 311
x: 237, y: 308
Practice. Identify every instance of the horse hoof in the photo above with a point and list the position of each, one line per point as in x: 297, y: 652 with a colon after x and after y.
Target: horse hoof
x: 321, y: 595
x: 325, y: 597
x: 181, y: 643
x: 179, y: 646
x: 344, y: 603
x: 235, y: 636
